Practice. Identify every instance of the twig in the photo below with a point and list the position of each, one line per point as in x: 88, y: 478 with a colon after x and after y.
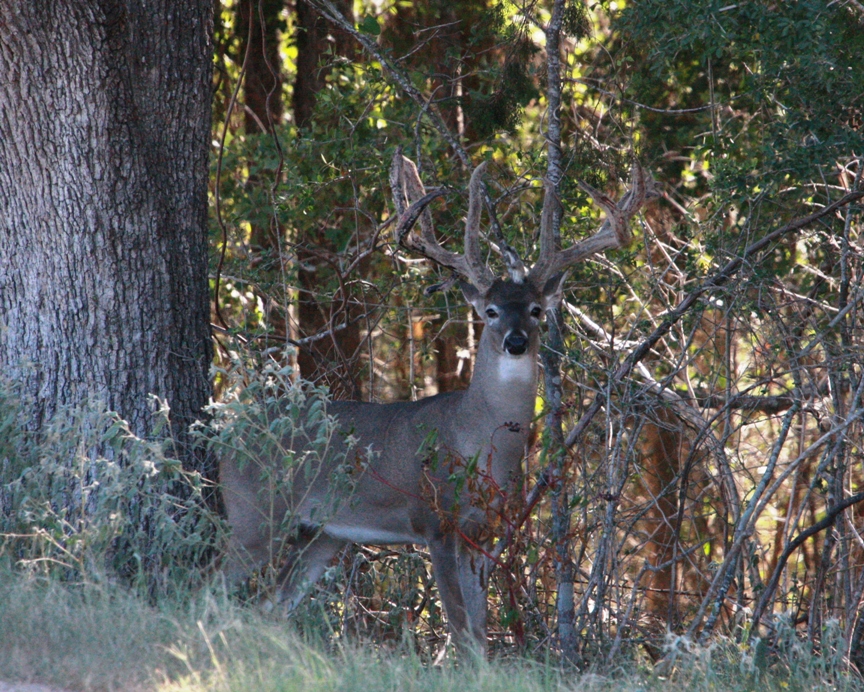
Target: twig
x: 329, y: 12
x: 671, y: 317
x: 218, y: 196
x: 719, y: 280
x: 827, y: 521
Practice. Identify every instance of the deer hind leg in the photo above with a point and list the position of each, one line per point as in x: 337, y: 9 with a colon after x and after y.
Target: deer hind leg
x: 307, y: 559
x: 463, y: 594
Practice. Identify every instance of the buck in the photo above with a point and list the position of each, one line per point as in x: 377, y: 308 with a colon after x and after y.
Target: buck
x: 406, y: 491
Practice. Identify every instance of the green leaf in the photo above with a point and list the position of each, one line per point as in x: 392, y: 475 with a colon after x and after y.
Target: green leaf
x: 370, y: 25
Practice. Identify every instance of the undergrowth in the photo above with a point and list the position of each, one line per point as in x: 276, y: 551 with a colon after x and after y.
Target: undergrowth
x: 105, y: 585
x: 104, y: 637
x: 85, y: 500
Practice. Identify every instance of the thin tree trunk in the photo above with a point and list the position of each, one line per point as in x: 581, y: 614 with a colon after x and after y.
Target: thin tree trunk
x: 554, y: 345
x: 104, y: 135
x: 330, y: 361
x: 262, y: 88
x: 258, y: 24
x: 314, y: 37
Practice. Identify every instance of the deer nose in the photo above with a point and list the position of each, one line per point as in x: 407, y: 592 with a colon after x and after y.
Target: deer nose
x: 516, y: 343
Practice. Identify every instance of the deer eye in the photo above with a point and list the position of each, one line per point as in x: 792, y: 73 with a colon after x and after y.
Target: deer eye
x: 536, y: 311
x: 491, y: 313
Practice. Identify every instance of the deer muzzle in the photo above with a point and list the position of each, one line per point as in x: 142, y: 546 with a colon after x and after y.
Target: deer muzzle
x: 516, y: 343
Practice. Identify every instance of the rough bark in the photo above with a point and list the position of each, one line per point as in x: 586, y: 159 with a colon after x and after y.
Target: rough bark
x: 259, y: 47
x: 104, y: 135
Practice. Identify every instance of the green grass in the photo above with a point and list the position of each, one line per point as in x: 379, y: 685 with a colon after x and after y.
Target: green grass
x: 106, y: 638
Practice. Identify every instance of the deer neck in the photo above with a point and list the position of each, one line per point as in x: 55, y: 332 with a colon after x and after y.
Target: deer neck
x: 505, y: 386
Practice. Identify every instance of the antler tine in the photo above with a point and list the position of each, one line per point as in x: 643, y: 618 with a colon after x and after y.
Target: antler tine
x: 614, y: 233
x: 408, y: 215
x: 482, y: 276
x: 515, y: 266
x: 406, y: 185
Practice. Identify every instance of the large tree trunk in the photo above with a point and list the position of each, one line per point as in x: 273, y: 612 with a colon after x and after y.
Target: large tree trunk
x: 104, y: 135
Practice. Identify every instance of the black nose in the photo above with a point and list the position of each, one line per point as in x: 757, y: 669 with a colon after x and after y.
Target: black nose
x: 516, y: 344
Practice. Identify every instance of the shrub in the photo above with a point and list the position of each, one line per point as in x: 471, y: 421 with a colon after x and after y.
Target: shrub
x: 86, y: 500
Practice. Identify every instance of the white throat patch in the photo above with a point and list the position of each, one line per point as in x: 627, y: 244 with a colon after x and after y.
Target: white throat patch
x: 516, y: 368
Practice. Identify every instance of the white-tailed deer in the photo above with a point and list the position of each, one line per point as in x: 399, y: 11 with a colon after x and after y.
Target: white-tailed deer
x: 405, y: 490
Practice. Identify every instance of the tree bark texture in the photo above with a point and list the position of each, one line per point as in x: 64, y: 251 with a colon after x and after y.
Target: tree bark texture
x: 104, y: 137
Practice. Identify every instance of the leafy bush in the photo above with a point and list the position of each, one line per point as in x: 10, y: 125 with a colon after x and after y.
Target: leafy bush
x: 86, y: 500
x: 281, y: 427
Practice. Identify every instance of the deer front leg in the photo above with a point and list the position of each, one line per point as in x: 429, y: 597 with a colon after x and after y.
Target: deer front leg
x: 456, y: 584
x: 474, y: 580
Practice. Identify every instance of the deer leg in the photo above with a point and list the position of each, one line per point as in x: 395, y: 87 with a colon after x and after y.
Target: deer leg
x: 474, y: 580
x: 448, y: 573
x: 307, y: 560
x: 248, y: 549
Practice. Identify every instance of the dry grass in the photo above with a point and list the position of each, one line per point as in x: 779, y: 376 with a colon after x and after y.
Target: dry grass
x: 99, y: 637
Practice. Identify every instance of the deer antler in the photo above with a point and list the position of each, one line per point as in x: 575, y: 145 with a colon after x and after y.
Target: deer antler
x: 406, y: 186
x: 614, y: 232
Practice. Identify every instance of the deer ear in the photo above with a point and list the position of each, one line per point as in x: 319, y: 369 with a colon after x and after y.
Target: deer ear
x: 472, y: 295
x: 553, y: 290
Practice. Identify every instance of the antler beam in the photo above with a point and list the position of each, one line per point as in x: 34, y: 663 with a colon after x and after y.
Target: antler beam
x: 614, y: 233
x: 406, y: 186
x: 412, y: 201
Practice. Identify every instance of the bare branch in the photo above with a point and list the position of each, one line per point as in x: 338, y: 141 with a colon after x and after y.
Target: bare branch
x: 714, y: 282
x: 328, y: 10
x: 826, y: 522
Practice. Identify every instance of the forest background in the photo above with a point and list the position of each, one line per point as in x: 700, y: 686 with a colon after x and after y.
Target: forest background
x: 698, y: 467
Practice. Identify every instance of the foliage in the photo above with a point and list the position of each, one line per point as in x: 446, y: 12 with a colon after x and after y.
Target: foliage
x: 782, y: 85
x: 738, y: 429
x: 271, y: 423
x: 72, y: 514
